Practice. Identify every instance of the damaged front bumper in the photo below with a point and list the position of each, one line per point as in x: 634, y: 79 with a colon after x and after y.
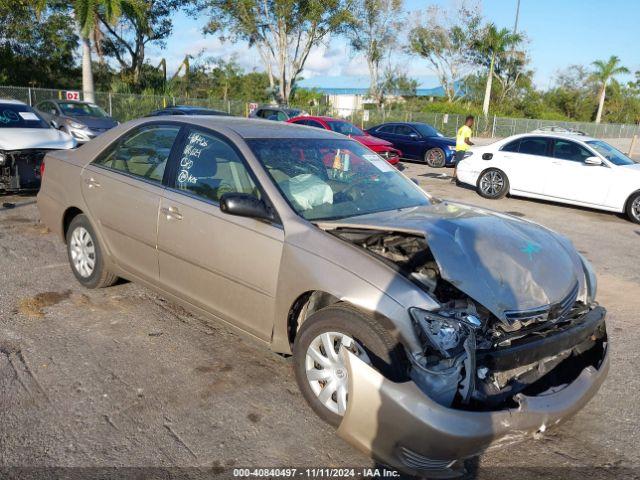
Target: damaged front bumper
x: 20, y: 169
x: 399, y: 425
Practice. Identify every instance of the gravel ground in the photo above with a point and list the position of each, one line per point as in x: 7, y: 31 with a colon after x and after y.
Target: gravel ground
x: 120, y: 377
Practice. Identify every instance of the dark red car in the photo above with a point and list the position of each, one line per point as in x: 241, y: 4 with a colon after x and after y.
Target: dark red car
x: 381, y: 147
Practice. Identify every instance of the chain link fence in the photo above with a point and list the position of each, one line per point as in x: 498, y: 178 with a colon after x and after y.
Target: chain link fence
x: 124, y: 106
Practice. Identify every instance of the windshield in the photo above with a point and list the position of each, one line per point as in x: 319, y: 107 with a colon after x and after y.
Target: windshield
x: 334, y: 179
x: 614, y: 155
x: 20, y: 116
x: 427, y: 130
x: 345, y: 128
x: 82, y: 109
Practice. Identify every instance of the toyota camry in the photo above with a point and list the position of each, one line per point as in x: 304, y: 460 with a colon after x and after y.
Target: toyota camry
x: 427, y: 331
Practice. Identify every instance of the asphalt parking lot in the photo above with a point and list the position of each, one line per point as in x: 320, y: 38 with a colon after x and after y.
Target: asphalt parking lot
x: 120, y: 377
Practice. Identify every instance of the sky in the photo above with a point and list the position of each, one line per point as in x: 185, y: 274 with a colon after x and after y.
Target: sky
x: 559, y: 32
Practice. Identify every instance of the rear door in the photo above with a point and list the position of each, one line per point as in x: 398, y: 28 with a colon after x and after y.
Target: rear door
x: 572, y: 179
x: 224, y: 264
x: 122, y: 188
x: 527, y: 162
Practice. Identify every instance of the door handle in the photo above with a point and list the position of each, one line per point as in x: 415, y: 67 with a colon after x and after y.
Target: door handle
x: 92, y: 182
x: 171, y: 213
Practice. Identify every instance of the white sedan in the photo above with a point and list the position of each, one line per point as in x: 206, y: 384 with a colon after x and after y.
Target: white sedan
x: 565, y: 168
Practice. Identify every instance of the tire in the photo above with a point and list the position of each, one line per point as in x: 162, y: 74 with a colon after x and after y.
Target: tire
x: 435, y: 157
x: 83, y: 249
x: 492, y: 184
x: 371, y: 341
x: 633, y: 208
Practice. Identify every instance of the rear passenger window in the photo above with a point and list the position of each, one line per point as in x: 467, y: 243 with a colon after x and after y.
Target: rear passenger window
x: 143, y: 153
x: 208, y: 168
x: 387, y: 129
x: 533, y: 146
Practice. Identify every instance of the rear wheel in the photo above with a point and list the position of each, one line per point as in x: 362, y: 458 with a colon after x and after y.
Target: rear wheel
x: 319, y: 369
x: 633, y: 208
x: 85, y: 255
x: 493, y: 184
x: 435, y: 157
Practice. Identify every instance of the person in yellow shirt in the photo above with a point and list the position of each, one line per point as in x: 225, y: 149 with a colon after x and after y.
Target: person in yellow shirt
x: 463, y: 142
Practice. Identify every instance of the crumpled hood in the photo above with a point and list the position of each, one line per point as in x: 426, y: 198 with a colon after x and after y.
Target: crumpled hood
x: 25, y: 138
x: 502, y: 262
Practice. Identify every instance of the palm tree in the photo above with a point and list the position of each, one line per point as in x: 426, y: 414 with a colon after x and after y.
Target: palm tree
x: 492, y: 45
x: 605, y: 71
x: 86, y: 14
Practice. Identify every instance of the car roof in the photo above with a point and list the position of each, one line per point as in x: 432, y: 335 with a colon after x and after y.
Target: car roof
x: 324, y: 118
x: 253, y: 128
x: 276, y: 107
x: 187, y: 107
x: 78, y: 102
x: 11, y: 101
x: 564, y: 136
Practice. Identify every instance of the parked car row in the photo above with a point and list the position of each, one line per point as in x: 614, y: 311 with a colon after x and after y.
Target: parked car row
x: 426, y: 331
x: 554, y: 164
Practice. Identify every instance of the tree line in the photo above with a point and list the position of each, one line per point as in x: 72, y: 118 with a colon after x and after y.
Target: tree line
x: 480, y: 67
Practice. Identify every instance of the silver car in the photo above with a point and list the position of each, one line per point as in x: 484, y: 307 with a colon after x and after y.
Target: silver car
x: 425, y: 330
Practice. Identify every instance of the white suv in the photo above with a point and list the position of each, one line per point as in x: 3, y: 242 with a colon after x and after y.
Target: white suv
x: 565, y: 168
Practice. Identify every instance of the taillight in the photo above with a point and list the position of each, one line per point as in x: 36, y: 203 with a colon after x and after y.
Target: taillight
x: 42, y: 169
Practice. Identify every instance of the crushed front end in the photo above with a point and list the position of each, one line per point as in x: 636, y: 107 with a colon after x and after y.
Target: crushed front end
x: 20, y: 169
x: 480, y: 376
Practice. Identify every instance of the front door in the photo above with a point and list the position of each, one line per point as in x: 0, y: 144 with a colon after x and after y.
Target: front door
x: 570, y: 178
x: 122, y: 189
x: 224, y: 264
x: 407, y: 140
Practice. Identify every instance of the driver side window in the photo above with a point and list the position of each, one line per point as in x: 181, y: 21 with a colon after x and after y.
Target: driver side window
x: 142, y: 153
x: 567, y: 150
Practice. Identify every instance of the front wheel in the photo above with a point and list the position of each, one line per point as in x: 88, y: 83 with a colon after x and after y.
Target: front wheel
x: 633, y: 208
x: 319, y: 369
x: 493, y: 184
x: 435, y: 157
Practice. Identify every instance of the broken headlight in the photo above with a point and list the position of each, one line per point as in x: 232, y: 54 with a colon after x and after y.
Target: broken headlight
x: 444, y: 331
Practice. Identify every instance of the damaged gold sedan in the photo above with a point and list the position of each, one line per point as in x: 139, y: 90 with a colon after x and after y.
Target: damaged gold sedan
x: 426, y: 331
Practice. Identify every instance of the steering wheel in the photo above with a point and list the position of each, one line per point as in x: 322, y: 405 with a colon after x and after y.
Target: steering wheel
x: 352, y: 190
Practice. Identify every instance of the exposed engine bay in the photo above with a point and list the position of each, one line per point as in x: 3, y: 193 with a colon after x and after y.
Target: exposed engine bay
x: 20, y: 170
x: 473, y: 359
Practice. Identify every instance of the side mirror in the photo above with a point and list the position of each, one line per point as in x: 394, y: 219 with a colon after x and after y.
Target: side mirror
x: 593, y: 161
x: 245, y: 205
x: 53, y: 111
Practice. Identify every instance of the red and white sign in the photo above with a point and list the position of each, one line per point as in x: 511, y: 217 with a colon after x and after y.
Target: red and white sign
x: 71, y: 95
x: 252, y: 107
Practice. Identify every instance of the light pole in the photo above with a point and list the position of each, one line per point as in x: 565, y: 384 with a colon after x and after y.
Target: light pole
x: 515, y: 25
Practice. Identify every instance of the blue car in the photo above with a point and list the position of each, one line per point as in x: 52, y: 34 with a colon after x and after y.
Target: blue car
x: 418, y: 141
